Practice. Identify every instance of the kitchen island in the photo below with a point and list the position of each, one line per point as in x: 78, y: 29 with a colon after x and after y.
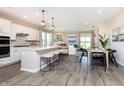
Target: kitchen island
x: 31, y: 57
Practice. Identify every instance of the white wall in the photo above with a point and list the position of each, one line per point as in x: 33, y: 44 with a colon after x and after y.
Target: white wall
x: 115, y: 22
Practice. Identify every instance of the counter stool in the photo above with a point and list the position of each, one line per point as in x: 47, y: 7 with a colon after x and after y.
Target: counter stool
x: 57, y: 54
x: 48, y: 56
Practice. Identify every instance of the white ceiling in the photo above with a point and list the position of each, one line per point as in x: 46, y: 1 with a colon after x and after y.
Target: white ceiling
x: 66, y: 18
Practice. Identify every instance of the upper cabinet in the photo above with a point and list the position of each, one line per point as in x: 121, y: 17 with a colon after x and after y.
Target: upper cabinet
x: 5, y: 27
x: 12, y: 29
x: 33, y: 34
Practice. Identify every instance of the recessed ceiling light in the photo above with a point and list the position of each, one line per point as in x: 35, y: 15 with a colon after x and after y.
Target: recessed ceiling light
x: 25, y: 17
x: 86, y: 23
x: 99, y: 11
x: 37, y: 13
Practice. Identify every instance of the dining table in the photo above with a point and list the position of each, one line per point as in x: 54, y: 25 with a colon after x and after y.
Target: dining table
x: 99, y: 50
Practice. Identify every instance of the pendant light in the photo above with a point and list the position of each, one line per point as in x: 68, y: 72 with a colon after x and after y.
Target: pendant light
x: 43, y: 23
x: 52, y: 27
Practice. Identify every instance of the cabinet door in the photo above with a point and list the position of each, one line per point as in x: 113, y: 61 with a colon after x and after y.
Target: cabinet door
x: 33, y: 34
x: 13, y: 31
x: 15, y: 55
x: 37, y: 35
x: 5, y: 26
x: 29, y: 31
x: 18, y: 28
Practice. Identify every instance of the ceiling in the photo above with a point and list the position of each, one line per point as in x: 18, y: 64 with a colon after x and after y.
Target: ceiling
x: 66, y: 18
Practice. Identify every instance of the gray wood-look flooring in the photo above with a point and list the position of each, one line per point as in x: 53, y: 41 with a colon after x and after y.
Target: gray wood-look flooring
x: 67, y: 73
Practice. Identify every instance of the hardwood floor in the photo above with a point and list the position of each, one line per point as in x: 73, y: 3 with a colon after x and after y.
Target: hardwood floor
x: 67, y: 73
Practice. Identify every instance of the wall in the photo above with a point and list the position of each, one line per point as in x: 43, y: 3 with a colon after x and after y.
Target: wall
x: 65, y: 36
x: 103, y: 28
x: 115, y: 22
x: 55, y: 35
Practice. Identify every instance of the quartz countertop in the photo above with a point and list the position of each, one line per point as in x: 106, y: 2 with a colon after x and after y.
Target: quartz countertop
x: 37, y: 48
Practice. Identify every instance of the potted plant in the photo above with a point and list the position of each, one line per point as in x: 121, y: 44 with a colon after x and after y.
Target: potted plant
x: 104, y: 41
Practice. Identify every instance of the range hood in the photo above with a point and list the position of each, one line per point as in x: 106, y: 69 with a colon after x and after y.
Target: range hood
x: 22, y: 34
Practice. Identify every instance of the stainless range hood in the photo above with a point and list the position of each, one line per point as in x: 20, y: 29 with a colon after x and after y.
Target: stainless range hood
x: 22, y: 34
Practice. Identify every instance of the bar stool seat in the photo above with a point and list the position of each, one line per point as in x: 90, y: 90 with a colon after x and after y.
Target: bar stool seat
x: 57, y: 55
x: 48, y: 56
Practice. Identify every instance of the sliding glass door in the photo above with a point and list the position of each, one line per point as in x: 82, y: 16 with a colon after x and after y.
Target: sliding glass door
x: 85, y: 40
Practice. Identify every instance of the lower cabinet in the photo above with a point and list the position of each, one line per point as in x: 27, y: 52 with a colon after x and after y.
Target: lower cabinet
x: 14, y: 57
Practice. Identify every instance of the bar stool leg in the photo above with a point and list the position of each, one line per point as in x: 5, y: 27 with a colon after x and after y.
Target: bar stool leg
x: 50, y: 64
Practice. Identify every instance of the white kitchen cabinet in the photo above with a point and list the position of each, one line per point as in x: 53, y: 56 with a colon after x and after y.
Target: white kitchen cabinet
x: 18, y: 28
x: 14, y: 57
x: 5, y: 26
x: 15, y: 54
x: 33, y: 34
x: 13, y: 31
x: 37, y: 35
x: 5, y: 61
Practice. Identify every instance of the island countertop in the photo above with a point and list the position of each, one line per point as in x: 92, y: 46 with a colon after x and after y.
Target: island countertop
x: 37, y: 48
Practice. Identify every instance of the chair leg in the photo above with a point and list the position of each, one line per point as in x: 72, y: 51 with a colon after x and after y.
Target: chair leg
x: 113, y: 59
x: 81, y: 58
x: 115, y: 62
x: 92, y: 63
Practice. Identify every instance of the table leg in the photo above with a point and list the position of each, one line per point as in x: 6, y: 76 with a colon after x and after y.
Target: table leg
x: 40, y: 64
x: 107, y: 60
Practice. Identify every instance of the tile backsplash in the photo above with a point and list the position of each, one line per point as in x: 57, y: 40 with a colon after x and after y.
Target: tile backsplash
x: 22, y: 41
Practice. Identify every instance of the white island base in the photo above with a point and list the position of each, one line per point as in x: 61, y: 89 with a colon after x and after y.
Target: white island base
x: 30, y: 58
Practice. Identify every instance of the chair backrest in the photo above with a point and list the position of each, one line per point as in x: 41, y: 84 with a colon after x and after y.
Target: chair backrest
x: 98, y: 54
x: 112, y: 51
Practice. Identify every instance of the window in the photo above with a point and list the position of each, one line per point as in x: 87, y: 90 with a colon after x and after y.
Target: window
x: 49, y: 39
x: 46, y: 39
x: 85, y: 40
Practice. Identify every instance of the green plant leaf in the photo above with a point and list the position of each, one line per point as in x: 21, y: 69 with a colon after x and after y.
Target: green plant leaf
x: 104, y: 41
x: 100, y: 36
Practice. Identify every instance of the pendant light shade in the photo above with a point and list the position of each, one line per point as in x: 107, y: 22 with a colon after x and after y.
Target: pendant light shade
x: 52, y: 26
x: 43, y: 23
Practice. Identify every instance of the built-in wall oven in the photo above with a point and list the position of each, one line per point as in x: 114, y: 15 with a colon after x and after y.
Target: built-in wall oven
x: 4, y: 46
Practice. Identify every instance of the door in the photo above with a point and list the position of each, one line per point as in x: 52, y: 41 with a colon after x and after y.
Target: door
x: 85, y: 40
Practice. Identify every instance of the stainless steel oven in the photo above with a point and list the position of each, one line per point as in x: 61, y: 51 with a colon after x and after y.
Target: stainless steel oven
x: 4, y: 46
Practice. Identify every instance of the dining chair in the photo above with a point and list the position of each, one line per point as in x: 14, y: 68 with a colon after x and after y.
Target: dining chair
x: 98, y: 58
x: 112, y: 57
x: 83, y: 54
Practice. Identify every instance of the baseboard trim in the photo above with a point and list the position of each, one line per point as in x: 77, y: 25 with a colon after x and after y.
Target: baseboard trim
x: 121, y: 64
x: 30, y: 70
x: 4, y: 65
x: 33, y: 71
